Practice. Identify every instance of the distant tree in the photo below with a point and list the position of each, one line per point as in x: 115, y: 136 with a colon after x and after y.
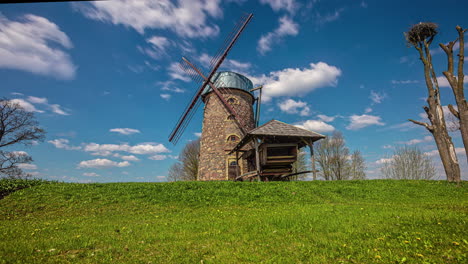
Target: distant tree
x: 17, y: 127
x: 339, y: 156
x: 323, y: 158
x: 420, y: 36
x: 300, y: 165
x: 186, y: 168
x: 357, y: 166
x: 409, y: 163
x: 335, y: 163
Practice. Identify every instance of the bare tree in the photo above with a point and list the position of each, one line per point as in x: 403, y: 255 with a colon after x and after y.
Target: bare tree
x: 357, y: 166
x: 420, y: 36
x: 186, y: 168
x: 333, y: 159
x: 339, y: 157
x: 409, y: 163
x: 457, y: 84
x: 17, y: 126
x: 323, y: 158
x: 300, y: 165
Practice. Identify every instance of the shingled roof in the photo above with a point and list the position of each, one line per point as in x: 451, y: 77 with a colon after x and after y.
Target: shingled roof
x: 275, y: 128
x: 278, y: 128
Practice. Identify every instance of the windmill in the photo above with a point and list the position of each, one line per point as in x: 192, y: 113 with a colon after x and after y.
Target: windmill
x: 228, y: 111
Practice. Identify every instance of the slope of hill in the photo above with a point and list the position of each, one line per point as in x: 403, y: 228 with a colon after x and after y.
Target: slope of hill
x: 379, y: 221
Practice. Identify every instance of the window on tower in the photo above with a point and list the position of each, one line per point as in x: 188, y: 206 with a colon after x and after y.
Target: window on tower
x: 231, y: 100
x: 233, y: 138
x: 230, y: 117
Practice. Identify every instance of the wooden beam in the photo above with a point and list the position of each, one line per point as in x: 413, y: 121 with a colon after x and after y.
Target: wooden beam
x: 312, y: 159
x: 257, y: 158
x: 238, y: 166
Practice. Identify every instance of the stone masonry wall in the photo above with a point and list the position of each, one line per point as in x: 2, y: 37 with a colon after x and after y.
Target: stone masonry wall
x: 214, y: 144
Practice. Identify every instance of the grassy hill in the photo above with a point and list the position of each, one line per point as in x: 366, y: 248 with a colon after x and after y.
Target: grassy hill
x: 377, y: 221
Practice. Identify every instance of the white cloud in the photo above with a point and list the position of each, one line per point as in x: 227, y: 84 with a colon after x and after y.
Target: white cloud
x: 416, y: 140
x: 232, y: 65
x: 91, y: 174
x: 287, y: 27
x: 158, y: 157
x: 387, y: 147
x: 17, y: 153
x: 459, y: 151
x: 142, y: 148
x: 157, y: 49
x: 368, y: 110
x: 27, y: 166
x: 376, y: 97
x: 316, y: 126
x: 130, y: 158
x: 28, y: 107
x: 186, y: 18
x: 197, y: 134
x: 160, y: 42
x: 62, y: 143
x: 170, y: 86
x: 57, y: 109
x: 102, y: 164
x: 327, y: 18
x: 384, y: 160
x: 293, y: 107
x: 443, y: 82
x: 361, y: 121
x: 165, y: 96
x: 177, y: 73
x: 278, y: 5
x: 53, y: 107
x: 326, y: 118
x: 125, y: 131
x: 37, y: 100
x: 297, y: 82
x: 404, y: 81
x: 34, y: 44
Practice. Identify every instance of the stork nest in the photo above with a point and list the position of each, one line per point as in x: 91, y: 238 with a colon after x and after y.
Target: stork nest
x: 420, y: 32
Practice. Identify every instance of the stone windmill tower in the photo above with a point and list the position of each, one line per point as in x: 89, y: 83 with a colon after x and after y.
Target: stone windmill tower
x: 220, y: 131
x: 228, y: 113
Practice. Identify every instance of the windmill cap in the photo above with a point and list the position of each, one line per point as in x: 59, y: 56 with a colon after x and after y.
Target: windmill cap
x: 228, y: 79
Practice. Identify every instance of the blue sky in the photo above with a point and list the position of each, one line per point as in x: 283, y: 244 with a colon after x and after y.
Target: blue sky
x: 102, y: 78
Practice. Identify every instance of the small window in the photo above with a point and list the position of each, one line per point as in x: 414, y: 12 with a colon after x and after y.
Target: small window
x: 231, y: 100
x: 233, y: 138
x: 230, y: 117
x: 233, y: 163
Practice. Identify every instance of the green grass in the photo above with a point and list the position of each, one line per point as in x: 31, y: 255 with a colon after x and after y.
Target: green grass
x: 377, y: 221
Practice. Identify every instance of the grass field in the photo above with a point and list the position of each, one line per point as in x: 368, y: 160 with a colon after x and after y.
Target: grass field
x: 378, y: 221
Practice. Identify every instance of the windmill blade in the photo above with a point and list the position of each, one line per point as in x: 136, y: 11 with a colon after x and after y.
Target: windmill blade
x: 197, y: 78
x: 184, y: 120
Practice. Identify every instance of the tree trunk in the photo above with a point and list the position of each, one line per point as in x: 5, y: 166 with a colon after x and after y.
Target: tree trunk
x: 457, y: 84
x: 446, y: 151
x: 435, y: 115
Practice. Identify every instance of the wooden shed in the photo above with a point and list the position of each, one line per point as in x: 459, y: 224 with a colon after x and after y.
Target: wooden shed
x: 274, y: 148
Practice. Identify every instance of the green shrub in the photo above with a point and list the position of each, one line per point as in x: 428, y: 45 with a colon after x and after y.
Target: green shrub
x: 8, y: 185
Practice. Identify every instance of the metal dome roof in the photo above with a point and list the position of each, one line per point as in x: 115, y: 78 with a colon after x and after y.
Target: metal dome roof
x: 229, y: 79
